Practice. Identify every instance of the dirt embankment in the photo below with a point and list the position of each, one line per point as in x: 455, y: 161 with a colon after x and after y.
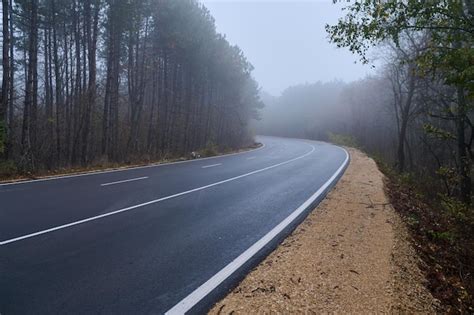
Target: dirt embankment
x: 351, y: 255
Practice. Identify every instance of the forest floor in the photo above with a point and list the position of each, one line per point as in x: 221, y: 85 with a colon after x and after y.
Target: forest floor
x: 352, y: 254
x: 16, y: 176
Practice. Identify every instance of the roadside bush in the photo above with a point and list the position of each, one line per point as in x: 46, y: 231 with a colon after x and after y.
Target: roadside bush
x: 8, y: 169
x: 442, y: 229
x: 3, y: 137
x: 210, y: 150
x: 343, y: 140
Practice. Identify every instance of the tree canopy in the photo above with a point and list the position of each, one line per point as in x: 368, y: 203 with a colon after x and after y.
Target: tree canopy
x: 448, y: 33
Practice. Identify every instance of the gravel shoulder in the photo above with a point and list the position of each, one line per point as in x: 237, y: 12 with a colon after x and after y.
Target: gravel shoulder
x: 352, y: 254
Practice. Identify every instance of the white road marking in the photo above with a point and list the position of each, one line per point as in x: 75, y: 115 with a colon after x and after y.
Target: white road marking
x: 251, y: 158
x: 197, y: 295
x: 60, y: 227
x: 126, y: 168
x: 213, y: 165
x: 124, y: 181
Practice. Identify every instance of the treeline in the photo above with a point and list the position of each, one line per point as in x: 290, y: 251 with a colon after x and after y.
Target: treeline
x: 359, y: 113
x: 118, y: 81
x: 303, y: 111
x: 418, y: 111
x: 429, y: 49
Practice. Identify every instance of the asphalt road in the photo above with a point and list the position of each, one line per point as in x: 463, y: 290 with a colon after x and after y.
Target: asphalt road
x: 154, y: 239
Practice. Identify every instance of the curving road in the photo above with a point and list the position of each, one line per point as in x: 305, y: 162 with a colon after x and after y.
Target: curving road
x: 173, y: 237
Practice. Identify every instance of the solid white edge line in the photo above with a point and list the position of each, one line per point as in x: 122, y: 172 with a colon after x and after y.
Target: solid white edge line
x: 201, y: 292
x: 124, y: 181
x: 125, y: 168
x: 213, y: 165
x: 152, y: 201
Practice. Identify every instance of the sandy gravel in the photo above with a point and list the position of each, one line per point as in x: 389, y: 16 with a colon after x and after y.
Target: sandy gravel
x: 351, y: 255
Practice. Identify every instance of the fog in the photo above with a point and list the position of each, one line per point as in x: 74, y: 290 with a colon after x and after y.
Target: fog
x: 312, y: 89
x: 286, y: 41
x: 91, y: 85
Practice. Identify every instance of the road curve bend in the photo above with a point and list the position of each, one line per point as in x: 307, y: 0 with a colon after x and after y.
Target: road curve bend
x: 170, y: 238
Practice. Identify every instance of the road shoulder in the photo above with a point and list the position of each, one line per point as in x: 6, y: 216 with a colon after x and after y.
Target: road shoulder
x: 351, y: 255
x: 101, y: 167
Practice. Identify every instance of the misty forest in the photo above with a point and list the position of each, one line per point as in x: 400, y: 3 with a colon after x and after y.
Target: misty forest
x: 115, y: 81
x: 110, y: 82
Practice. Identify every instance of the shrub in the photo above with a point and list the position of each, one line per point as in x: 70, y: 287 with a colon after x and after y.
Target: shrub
x: 343, y: 140
x: 210, y: 150
x: 8, y: 169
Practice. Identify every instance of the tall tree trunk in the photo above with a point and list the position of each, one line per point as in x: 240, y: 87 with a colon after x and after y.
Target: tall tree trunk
x: 172, y: 112
x: 401, y: 146
x: 91, y: 34
x: 137, y: 89
x: 404, y: 119
x: 48, y: 97
x: 6, y: 79
x: 154, y: 100
x: 58, y: 84
x: 106, y: 113
x: 110, y: 113
x: 67, y: 103
x: 464, y: 164
x: 188, y: 112
x: 77, y: 84
x: 31, y: 93
x: 34, y: 101
x: 11, y: 126
x: 166, y: 92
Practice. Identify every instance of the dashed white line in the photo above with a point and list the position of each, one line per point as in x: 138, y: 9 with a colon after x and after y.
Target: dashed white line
x: 213, y: 165
x: 60, y: 227
x: 251, y: 158
x: 124, y: 181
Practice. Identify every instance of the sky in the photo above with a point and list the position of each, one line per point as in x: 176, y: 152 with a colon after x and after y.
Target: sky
x: 286, y: 41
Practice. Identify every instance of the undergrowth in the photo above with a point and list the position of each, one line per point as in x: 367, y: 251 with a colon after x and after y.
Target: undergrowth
x: 442, y: 230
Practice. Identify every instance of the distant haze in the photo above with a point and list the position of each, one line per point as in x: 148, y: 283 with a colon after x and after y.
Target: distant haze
x: 286, y: 41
